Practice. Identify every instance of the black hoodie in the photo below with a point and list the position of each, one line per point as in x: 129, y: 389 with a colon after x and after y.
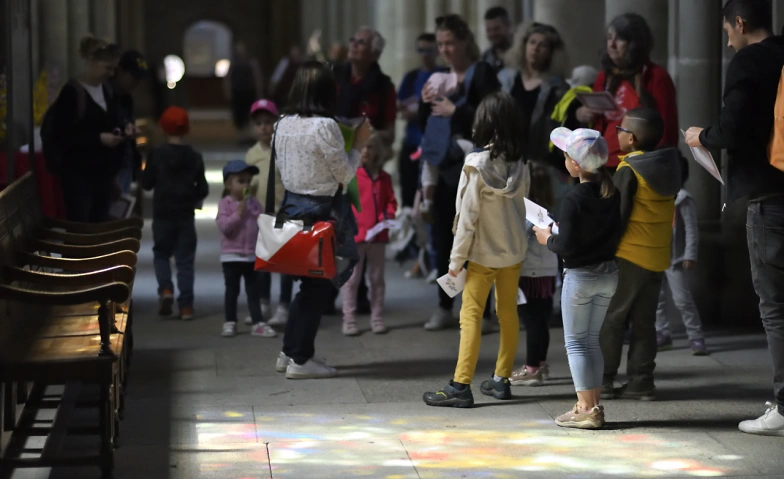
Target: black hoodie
x: 746, y: 121
x: 176, y: 172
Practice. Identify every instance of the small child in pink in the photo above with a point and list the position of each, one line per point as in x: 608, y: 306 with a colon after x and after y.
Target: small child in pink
x: 377, y: 198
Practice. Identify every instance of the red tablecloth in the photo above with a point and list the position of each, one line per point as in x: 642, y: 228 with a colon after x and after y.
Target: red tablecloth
x: 48, y: 185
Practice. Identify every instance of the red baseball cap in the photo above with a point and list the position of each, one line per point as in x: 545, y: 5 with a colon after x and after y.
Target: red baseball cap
x: 174, y: 121
x: 264, y: 105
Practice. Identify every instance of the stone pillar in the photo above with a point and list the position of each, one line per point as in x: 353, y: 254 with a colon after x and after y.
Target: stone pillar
x: 386, y: 19
x: 78, y: 27
x: 457, y: 6
x: 527, y: 9
x: 314, y: 18
x: 433, y: 10
x: 409, y: 18
x: 655, y: 12
x: 105, y: 15
x: 54, y: 44
x: 581, y: 25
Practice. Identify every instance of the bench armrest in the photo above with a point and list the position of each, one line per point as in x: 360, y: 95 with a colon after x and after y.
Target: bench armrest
x: 91, y: 251
x: 117, y: 292
x: 120, y: 258
x: 88, y: 239
x: 115, y: 274
x: 92, y: 228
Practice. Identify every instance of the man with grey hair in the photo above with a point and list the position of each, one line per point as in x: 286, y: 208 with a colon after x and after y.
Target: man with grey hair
x: 364, y: 90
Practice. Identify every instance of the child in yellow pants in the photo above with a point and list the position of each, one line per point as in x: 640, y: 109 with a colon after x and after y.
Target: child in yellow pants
x: 490, y: 236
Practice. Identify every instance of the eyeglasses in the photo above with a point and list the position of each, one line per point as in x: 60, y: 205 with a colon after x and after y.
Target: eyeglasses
x: 619, y: 129
x: 359, y: 41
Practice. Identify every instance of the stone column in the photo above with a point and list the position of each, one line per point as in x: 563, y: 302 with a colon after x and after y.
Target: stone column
x: 78, y: 27
x: 433, y: 10
x: 527, y: 10
x: 105, y: 15
x: 581, y: 25
x: 386, y: 22
x: 459, y: 7
x: 409, y: 18
x: 54, y: 36
x: 655, y: 12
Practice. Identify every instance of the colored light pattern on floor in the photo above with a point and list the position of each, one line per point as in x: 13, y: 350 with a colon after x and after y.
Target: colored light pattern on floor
x: 390, y: 447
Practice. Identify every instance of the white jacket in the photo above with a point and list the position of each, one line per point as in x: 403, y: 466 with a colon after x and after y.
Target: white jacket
x: 490, y: 224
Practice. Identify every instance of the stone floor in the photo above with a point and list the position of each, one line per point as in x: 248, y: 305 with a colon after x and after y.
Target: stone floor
x: 201, y: 406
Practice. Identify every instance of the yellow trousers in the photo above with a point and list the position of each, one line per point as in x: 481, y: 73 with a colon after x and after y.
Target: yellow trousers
x: 479, y: 282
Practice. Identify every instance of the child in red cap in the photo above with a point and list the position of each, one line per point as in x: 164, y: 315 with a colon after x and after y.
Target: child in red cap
x: 176, y: 172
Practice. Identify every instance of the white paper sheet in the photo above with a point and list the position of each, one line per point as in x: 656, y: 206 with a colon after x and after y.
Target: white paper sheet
x: 521, y: 299
x: 452, y: 286
x: 539, y: 216
x: 123, y: 207
x: 391, y: 225
x: 704, y: 158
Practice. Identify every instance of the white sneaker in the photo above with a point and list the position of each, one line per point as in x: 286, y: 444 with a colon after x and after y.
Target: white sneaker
x: 769, y: 424
x: 350, y: 329
x: 312, y: 369
x: 283, y: 363
x: 264, y: 330
x: 281, y: 316
x: 229, y: 329
x: 432, y: 277
x: 440, y: 320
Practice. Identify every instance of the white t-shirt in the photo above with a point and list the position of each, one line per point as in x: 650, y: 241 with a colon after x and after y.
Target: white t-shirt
x: 96, y: 93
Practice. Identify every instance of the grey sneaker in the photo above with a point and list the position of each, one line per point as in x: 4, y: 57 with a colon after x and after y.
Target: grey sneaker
x: 698, y: 347
x: 593, y: 419
x: 627, y: 391
x: 608, y: 390
x: 441, y: 319
x: 313, y: 369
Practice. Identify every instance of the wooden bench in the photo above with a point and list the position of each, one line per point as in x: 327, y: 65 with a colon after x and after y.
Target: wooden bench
x: 69, y: 327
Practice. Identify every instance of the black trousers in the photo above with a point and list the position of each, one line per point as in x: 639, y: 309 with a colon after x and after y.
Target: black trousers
x: 409, y: 175
x: 233, y: 273
x: 305, y: 318
x: 87, y: 198
x: 536, y: 316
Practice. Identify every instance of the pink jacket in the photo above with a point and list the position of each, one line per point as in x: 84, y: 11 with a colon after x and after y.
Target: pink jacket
x: 378, y: 203
x: 238, y: 234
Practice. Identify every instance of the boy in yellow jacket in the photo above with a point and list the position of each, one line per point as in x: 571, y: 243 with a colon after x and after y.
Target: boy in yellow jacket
x: 648, y: 180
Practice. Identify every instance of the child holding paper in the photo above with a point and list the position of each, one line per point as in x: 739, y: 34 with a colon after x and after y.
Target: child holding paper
x: 489, y: 236
x: 589, y: 232
x: 537, y: 282
x: 377, y: 199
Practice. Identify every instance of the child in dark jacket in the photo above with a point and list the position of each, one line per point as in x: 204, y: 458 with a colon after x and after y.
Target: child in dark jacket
x: 378, y: 204
x: 648, y: 180
x: 238, y: 214
x: 176, y: 172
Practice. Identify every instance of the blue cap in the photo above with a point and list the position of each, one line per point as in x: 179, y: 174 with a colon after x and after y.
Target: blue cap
x: 238, y: 166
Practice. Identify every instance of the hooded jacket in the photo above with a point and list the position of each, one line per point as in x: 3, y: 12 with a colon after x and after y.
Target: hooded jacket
x: 176, y: 172
x: 490, y: 224
x: 648, y: 183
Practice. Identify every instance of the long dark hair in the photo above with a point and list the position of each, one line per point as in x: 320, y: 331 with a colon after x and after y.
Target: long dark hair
x: 314, y: 92
x: 541, y: 191
x: 499, y: 123
x: 634, y: 29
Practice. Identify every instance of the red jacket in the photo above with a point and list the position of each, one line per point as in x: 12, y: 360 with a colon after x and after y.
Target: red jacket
x: 657, y: 82
x: 378, y: 204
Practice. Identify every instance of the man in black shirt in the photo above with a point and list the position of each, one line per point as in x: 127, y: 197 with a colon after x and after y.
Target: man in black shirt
x: 744, y: 130
x: 130, y: 72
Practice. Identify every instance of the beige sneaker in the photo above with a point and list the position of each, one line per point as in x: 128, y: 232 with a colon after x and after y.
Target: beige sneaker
x: 593, y: 419
x: 523, y: 377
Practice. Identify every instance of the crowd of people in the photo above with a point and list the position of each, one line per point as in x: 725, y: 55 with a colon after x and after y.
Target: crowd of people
x: 485, y: 132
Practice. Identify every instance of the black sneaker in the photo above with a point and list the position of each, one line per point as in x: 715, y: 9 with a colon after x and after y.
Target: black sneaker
x: 450, y: 397
x: 498, y: 389
x: 608, y: 391
x: 629, y: 391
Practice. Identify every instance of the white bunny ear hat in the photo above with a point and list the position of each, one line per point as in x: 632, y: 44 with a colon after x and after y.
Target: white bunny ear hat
x: 584, y: 75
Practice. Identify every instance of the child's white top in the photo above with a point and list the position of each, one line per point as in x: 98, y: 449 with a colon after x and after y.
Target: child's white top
x: 311, y: 156
x: 490, y: 223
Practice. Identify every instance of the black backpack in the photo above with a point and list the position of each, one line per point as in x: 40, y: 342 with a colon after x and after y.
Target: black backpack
x: 53, y: 151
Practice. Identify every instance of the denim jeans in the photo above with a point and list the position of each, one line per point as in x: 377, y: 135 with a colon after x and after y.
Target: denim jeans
x: 585, y: 297
x: 286, y: 287
x: 233, y: 273
x: 175, y: 238
x: 765, y: 236
x: 676, y: 281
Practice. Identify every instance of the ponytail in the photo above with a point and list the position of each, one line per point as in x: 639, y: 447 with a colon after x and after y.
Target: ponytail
x: 607, y: 186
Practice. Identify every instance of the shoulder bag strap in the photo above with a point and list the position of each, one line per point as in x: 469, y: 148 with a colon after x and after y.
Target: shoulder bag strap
x: 269, y: 206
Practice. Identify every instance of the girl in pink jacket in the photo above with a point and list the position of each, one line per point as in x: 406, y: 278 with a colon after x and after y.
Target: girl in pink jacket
x: 238, y: 213
x: 378, y: 204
